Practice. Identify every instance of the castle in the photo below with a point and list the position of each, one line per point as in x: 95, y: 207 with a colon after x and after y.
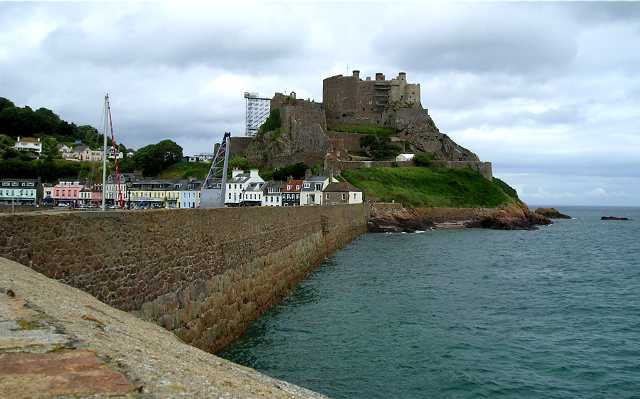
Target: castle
x: 329, y: 133
x: 351, y: 100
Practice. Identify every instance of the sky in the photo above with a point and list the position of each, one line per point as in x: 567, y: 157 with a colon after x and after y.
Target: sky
x: 548, y: 92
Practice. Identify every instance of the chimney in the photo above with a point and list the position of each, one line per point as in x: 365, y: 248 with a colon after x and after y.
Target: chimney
x: 356, y: 74
x: 254, y: 173
x: 402, y: 76
x: 379, y: 76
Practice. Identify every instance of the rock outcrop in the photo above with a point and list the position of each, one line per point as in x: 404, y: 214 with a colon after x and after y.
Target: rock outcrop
x: 552, y: 213
x: 301, y: 136
x: 613, y: 218
x: 397, y: 219
x: 511, y: 217
x: 419, y: 131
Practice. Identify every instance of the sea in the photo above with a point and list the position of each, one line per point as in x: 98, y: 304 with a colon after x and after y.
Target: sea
x: 549, y: 313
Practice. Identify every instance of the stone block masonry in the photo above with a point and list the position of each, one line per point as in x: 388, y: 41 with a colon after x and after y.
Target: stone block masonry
x: 204, y: 274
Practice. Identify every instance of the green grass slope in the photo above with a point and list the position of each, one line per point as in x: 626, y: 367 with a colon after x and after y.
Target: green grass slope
x: 185, y: 170
x: 430, y: 187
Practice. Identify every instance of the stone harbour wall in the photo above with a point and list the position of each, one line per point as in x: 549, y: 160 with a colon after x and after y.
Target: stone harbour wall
x: 204, y: 274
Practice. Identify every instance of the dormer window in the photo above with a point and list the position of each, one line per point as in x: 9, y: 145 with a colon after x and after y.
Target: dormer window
x: 307, y: 185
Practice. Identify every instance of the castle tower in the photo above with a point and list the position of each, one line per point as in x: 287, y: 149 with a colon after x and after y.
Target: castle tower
x: 350, y: 101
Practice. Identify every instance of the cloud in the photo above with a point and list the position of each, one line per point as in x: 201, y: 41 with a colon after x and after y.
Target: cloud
x: 165, y: 34
x: 548, y: 92
x: 482, y: 38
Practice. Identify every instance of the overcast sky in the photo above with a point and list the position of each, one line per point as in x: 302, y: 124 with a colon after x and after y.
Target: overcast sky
x: 550, y: 93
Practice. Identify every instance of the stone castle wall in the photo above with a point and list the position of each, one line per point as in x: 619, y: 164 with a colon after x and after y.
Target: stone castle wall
x: 484, y: 168
x: 204, y: 274
x: 349, y: 100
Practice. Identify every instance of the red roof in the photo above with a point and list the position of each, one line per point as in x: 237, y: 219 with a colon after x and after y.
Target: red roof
x: 292, y: 186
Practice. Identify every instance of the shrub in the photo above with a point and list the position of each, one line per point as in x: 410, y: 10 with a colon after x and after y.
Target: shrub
x: 379, y: 147
x: 423, y: 159
x: 273, y: 121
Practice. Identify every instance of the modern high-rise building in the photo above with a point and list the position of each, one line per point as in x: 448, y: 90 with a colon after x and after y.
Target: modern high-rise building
x: 257, y: 112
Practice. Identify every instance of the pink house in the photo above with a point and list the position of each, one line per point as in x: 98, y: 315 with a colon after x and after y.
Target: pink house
x: 96, y: 197
x: 67, y: 192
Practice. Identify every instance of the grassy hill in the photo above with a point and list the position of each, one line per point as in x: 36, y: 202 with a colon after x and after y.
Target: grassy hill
x: 426, y: 187
x: 185, y: 170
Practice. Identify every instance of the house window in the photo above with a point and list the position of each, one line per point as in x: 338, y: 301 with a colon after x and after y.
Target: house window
x: 344, y: 196
x: 326, y: 196
x: 307, y: 185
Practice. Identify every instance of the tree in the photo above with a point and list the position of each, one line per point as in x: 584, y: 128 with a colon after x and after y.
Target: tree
x: 154, y: 158
x: 50, y: 149
x: 5, y: 103
x: 272, y: 122
x: 296, y: 171
x: 379, y: 147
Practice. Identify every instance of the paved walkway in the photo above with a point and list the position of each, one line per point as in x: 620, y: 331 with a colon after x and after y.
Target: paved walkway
x: 58, y: 341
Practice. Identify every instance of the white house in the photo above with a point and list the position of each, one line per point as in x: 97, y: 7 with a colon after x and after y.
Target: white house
x: 31, y: 144
x: 239, y: 182
x: 272, y: 196
x: 112, y: 189
x: 19, y: 192
x: 189, y: 199
x: 311, y: 192
x: 253, y: 194
x: 84, y: 153
x: 189, y: 196
x: 405, y: 157
x: 65, y: 151
x: 200, y: 158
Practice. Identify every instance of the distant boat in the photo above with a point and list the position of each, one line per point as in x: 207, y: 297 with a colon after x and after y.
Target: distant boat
x: 613, y: 218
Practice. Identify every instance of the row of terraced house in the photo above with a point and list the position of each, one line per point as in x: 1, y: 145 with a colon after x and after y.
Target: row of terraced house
x: 243, y: 189
x: 249, y: 189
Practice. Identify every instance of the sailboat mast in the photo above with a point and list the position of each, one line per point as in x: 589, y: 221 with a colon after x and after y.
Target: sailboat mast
x: 104, y: 154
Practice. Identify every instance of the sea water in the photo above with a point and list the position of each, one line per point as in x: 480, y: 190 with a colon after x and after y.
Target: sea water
x: 551, y: 313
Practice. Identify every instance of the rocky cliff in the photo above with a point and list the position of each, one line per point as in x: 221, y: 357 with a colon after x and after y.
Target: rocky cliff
x: 419, y: 131
x: 301, y: 136
x: 515, y: 216
x: 351, y: 103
